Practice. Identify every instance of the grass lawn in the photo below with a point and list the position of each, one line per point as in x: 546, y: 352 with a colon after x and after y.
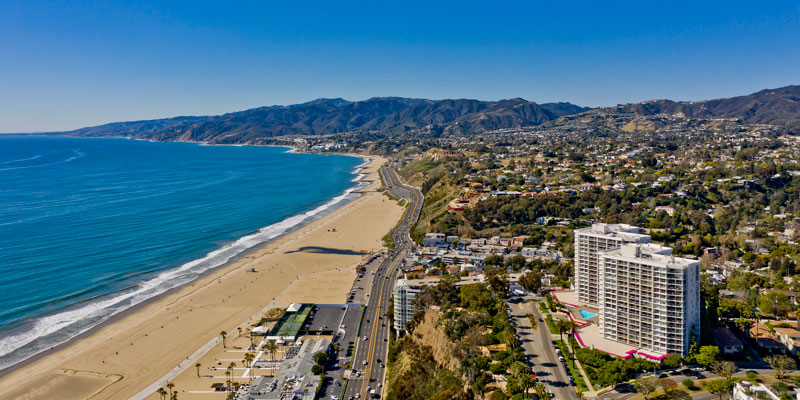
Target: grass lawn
x: 551, y: 325
x: 543, y: 308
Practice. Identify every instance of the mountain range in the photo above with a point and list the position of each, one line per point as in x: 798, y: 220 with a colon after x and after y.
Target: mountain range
x: 395, y: 115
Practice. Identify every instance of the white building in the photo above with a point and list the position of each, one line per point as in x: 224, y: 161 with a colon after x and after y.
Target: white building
x: 588, y: 242
x: 648, y: 298
x: 745, y: 390
x: 405, y: 290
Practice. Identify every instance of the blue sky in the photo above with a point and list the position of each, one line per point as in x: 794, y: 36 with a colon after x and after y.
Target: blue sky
x: 68, y: 64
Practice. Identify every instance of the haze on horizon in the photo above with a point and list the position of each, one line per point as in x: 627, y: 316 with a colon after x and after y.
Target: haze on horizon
x: 67, y: 65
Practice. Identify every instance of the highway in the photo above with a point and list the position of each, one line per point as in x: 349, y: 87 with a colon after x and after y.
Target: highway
x: 369, y: 368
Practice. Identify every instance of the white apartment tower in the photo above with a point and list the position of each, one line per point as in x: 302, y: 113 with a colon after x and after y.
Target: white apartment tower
x: 405, y: 290
x: 649, y: 299
x: 588, y: 242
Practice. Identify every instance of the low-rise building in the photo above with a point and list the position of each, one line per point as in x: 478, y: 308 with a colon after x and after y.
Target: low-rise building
x: 727, y: 341
x: 433, y: 239
x: 745, y: 390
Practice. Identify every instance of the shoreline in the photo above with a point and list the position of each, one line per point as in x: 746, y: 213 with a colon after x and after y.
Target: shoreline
x: 359, y: 182
x: 359, y: 179
x: 205, y: 279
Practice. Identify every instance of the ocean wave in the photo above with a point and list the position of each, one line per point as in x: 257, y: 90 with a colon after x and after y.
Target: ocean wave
x: 21, y: 159
x: 76, y: 154
x: 45, y: 332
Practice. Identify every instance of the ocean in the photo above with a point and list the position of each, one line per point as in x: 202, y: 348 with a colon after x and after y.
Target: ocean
x: 92, y: 227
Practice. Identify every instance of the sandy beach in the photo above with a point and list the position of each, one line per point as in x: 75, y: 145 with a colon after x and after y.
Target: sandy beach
x: 125, y: 356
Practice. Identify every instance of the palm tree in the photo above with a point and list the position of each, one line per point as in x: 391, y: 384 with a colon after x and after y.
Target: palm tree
x: 248, y: 360
x: 525, y: 382
x: 162, y: 392
x: 170, y: 385
x: 229, y: 372
x: 224, y: 335
x: 563, y: 326
x: 239, y: 328
x: 272, y: 347
x: 198, y: 365
x: 228, y: 379
x: 540, y: 390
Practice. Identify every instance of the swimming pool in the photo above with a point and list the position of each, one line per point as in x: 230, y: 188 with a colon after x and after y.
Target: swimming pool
x: 586, y: 314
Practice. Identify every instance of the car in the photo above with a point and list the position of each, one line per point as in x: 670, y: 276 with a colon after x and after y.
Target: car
x: 365, y: 338
x: 365, y: 362
x: 560, y: 358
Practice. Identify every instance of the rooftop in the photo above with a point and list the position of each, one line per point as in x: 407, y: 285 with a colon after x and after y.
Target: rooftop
x: 623, y: 231
x: 649, y: 254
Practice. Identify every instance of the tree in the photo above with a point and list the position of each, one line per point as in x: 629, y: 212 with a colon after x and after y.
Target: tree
x: 775, y: 303
x: 540, y: 389
x: 725, y: 369
x: 780, y: 364
x: 707, y: 355
x: 525, y: 382
x: 563, y: 326
x: 744, y: 325
x: 531, y: 281
x: 475, y: 296
x: 493, y: 259
x: 719, y: 387
x: 170, y: 386
x: 248, y: 361
x: 223, y: 334
x: 497, y: 280
x: 646, y: 386
x: 229, y: 373
x: 271, y: 347
x: 672, y: 360
x: 239, y: 328
x: 162, y: 393
x: 197, y: 366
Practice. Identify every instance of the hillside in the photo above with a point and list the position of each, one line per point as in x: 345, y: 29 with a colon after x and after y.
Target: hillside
x: 398, y: 115
x: 770, y: 106
x: 330, y: 116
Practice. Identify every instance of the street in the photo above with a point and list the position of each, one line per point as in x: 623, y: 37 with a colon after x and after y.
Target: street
x: 539, y: 349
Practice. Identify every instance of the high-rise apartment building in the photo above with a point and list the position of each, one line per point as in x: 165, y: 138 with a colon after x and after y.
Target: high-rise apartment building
x: 648, y: 298
x: 588, y: 242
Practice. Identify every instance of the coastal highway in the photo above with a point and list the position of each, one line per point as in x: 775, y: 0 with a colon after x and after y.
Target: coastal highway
x: 373, y: 338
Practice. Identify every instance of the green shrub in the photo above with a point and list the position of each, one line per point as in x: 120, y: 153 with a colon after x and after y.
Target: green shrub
x: 752, y: 376
x: 497, y: 369
x: 498, y: 395
x: 689, y: 384
x: 500, y: 355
